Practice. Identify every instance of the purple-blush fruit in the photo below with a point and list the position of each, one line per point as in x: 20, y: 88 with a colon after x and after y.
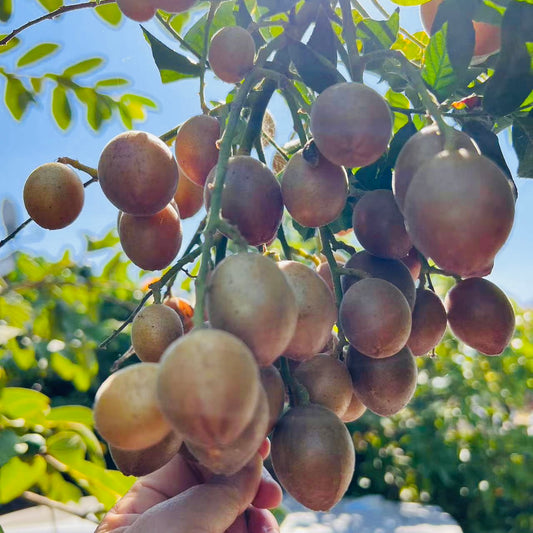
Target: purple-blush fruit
x: 137, y: 10
x: 480, y: 315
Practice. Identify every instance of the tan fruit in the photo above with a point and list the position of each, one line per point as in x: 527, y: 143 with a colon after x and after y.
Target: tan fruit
x: 429, y: 322
x: 151, y: 242
x: 53, y: 195
x: 184, y: 309
x: 174, y: 6
x: 153, y: 329
x: 138, y: 10
x: 417, y: 151
x: 375, y: 317
x: 327, y: 381
x: 313, y: 456
x: 196, y: 147
x: 231, y: 458
x: 317, y: 311
x: 488, y: 36
x: 351, y: 124
x: 275, y: 391
x: 189, y: 197
x: 143, y: 462
x: 231, y: 53
x: 412, y: 262
x: 379, y: 226
x: 137, y: 173
x: 391, y: 270
x: 126, y: 411
x: 208, y: 386
x: 385, y: 386
x: 314, y: 196
x: 459, y: 210
x: 480, y: 315
x: 249, y: 296
x: 251, y: 199
x: 355, y: 410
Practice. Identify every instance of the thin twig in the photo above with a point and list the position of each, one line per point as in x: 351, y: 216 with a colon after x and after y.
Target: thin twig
x: 51, y: 15
x: 80, y: 166
x: 43, y: 500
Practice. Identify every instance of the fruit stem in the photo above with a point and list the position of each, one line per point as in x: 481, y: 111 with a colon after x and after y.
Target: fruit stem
x: 177, y: 36
x: 349, y: 35
x: 298, y: 394
x: 80, y: 166
x: 287, y: 250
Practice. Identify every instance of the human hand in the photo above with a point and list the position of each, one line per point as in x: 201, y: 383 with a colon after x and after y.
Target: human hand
x: 182, y: 498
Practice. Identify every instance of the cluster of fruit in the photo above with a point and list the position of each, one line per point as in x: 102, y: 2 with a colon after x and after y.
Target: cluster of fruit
x: 215, y: 392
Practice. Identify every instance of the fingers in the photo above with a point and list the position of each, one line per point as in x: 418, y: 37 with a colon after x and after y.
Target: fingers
x: 269, y: 493
x: 261, y: 521
x: 210, y: 508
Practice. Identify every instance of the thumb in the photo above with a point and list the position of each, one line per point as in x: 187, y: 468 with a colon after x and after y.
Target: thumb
x: 211, y: 507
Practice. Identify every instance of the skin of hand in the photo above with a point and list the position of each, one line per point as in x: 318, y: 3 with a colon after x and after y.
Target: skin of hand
x: 180, y: 497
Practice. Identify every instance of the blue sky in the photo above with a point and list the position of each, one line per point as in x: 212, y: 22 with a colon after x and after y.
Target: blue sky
x: 36, y: 139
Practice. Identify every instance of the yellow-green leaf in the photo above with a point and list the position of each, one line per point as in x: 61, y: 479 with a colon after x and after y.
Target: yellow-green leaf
x: 61, y: 109
x: 16, y: 476
x: 37, y: 53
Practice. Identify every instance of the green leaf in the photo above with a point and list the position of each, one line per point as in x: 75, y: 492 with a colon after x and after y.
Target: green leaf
x: 28, y: 404
x: 51, y: 5
x: 177, y: 22
x: 17, y: 97
x: 7, y: 333
x: 305, y: 233
x: 110, y: 240
x: 37, y: 53
x: 111, y: 83
x: 6, y: 9
x: 323, y: 39
x: 398, y: 100
x: 171, y: 65
x: 523, y: 145
x: 24, y: 357
x: 12, y: 43
x: 109, y: 13
x: 71, y: 413
x: 22, y: 476
x: 61, y: 109
x: 8, y: 440
x: 277, y: 6
x: 410, y: 2
x: 37, y: 84
x: 83, y: 67
x: 57, y: 488
x: 379, y: 34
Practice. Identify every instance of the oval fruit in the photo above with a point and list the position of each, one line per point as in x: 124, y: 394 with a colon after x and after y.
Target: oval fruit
x: 313, y: 456
x: 459, y: 210
x: 151, y: 242
x: 375, y: 317
x: 137, y: 173
x: 152, y: 331
x: 480, y: 315
x: 231, y: 53
x: 174, y: 6
x: 249, y: 296
x: 379, y: 226
x: 126, y: 411
x: 275, y: 391
x: 184, y: 309
x: 429, y: 322
x: 351, y: 124
x: 251, y: 199
x: 208, y: 386
x: 138, y: 10
x: 327, y: 381
x: 324, y: 271
x: 385, y: 386
x: 314, y: 196
x: 53, y: 195
x: 317, y: 311
x: 413, y: 263
x: 196, y: 147
x: 419, y: 149
x: 189, y: 197
x: 355, y: 410
x: 390, y: 270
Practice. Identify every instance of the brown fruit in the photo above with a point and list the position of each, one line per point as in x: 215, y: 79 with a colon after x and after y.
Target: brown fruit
x: 459, y: 210
x: 231, y: 53
x: 313, y: 456
x: 53, y: 195
x: 208, y: 386
x: 317, y: 311
x: 480, y: 315
x: 355, y: 410
x: 151, y: 242
x: 174, y: 6
x: 351, y: 124
x: 314, y: 196
x: 413, y: 263
x: 275, y: 391
x: 143, y: 462
x: 137, y: 173
x: 379, y: 226
x: 488, y: 36
x: 196, y: 147
x: 138, y: 10
x: 385, y: 386
x: 153, y: 329
x: 327, y: 381
x: 189, y: 197
x: 126, y: 411
x: 429, y: 322
x: 249, y: 296
x: 231, y: 458
x: 417, y: 151
x: 375, y: 317
x: 251, y: 199
x: 391, y: 270
x: 184, y: 309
